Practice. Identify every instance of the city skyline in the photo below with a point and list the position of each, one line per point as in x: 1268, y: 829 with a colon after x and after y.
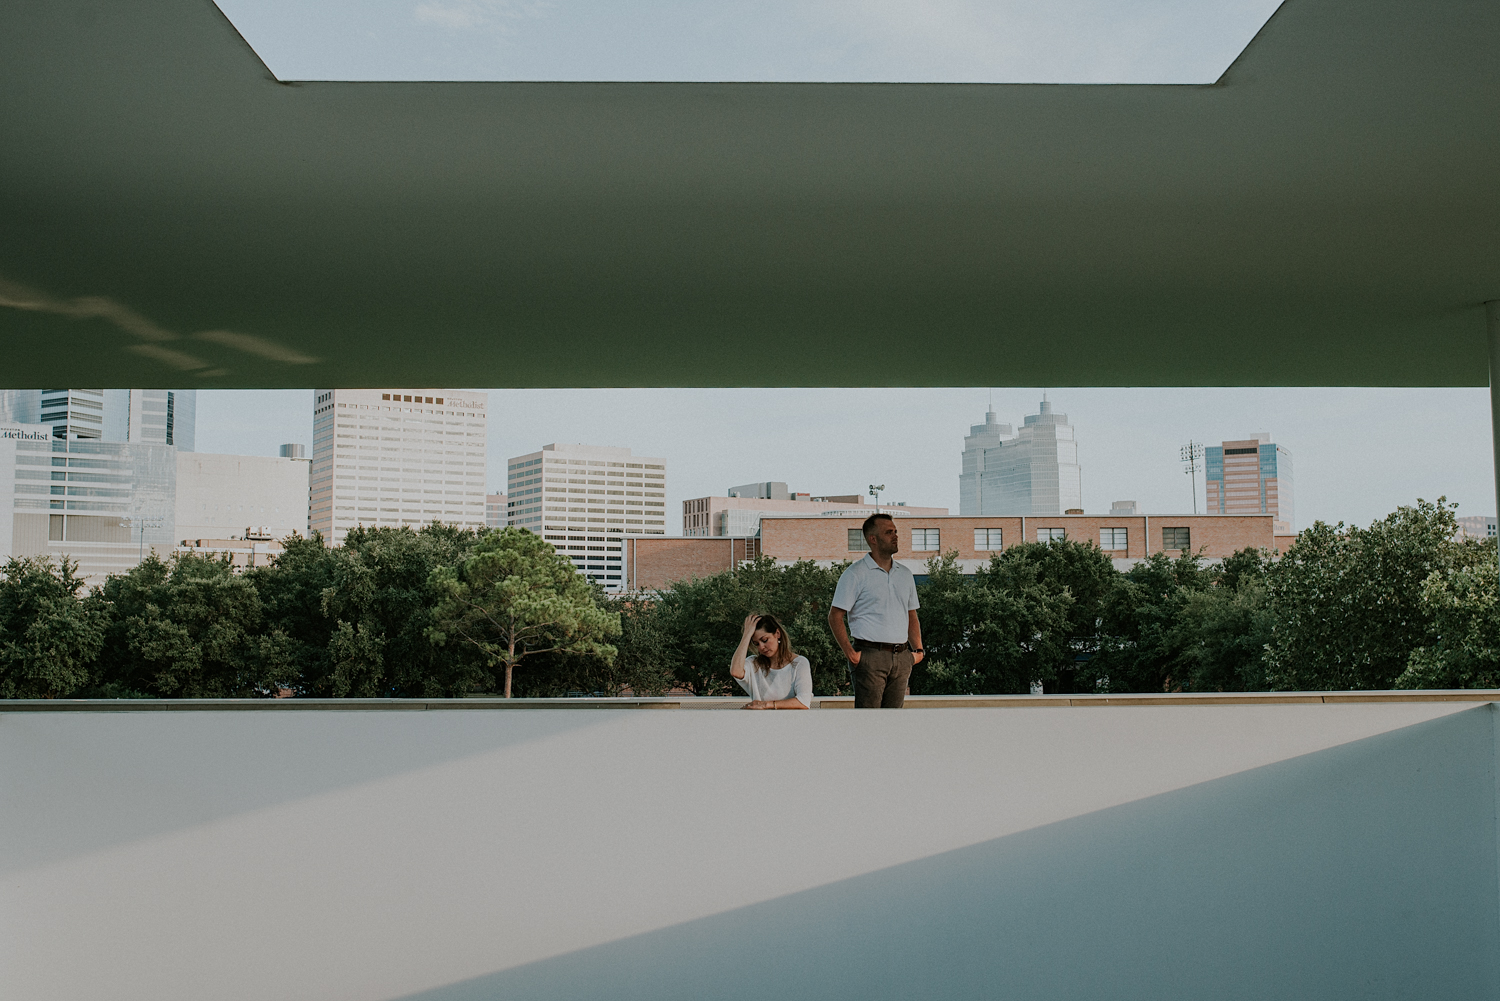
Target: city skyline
x: 835, y: 441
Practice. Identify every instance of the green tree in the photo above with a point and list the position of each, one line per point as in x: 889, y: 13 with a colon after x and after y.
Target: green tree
x: 1347, y: 603
x: 292, y: 592
x: 1087, y: 575
x: 513, y: 597
x: 357, y: 615
x: 1464, y: 648
x: 190, y: 628
x: 995, y: 632
x: 1224, y: 629
x: 49, y: 637
x: 1142, y: 641
x: 638, y: 667
x: 698, y: 621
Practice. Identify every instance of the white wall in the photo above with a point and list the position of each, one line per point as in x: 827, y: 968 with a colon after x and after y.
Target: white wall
x: 8, y: 491
x: 219, y: 496
x: 1285, y: 851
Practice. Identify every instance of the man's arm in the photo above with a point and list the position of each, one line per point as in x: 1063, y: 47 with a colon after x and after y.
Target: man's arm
x: 914, y: 636
x: 841, y: 633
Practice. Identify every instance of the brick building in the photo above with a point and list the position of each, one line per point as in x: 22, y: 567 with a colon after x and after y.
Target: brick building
x: 652, y: 563
x: 1126, y: 538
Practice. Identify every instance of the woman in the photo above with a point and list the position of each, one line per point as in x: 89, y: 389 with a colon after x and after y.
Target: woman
x: 775, y: 677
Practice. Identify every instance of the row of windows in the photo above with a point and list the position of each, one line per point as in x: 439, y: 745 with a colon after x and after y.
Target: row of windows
x: 407, y: 399
x: 992, y: 539
x: 591, y: 462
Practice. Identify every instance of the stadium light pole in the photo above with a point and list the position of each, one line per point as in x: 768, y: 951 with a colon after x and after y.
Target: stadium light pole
x: 1192, y: 455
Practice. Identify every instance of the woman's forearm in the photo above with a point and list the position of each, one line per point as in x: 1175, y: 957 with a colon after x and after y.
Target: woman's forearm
x: 789, y: 703
x: 737, y: 661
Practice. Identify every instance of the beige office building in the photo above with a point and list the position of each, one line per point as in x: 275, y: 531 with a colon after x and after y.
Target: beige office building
x: 495, y: 515
x: 387, y: 457
x: 584, y: 499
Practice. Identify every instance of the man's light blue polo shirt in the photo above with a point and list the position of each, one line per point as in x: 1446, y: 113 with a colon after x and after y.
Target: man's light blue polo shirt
x: 877, y: 602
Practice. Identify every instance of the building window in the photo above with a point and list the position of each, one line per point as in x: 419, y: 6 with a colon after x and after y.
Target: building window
x: 857, y: 543
x: 1176, y: 538
x: 925, y: 539
x: 1113, y: 538
x: 987, y: 539
x: 1051, y: 534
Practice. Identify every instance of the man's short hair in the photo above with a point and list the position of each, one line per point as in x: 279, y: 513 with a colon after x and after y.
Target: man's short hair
x: 869, y: 525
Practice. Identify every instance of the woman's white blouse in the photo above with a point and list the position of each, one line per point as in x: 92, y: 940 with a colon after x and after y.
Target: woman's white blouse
x: 792, y: 681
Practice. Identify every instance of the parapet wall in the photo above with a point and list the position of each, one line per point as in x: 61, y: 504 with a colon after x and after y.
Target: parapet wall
x: 1139, y: 851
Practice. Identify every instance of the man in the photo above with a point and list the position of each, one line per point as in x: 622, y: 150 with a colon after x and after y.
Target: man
x: 879, y: 598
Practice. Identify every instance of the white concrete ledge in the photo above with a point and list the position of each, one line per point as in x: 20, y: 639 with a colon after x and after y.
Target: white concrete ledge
x: 1237, y: 851
x: 691, y: 702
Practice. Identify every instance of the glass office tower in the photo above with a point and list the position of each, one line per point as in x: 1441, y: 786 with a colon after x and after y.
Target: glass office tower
x: 1251, y: 476
x: 147, y: 416
x: 1034, y: 472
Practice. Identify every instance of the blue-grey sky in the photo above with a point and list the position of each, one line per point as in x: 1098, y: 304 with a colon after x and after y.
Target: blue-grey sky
x: 979, y: 41
x: 1357, y: 453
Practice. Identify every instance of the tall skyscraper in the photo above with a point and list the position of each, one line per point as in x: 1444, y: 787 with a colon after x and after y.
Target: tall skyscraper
x: 981, y: 437
x: 397, y: 457
x: 584, y: 499
x: 1034, y: 471
x: 1251, y: 476
x: 161, y: 416
x: 144, y: 416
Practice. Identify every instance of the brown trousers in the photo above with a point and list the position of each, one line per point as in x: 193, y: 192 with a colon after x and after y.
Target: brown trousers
x: 880, y: 678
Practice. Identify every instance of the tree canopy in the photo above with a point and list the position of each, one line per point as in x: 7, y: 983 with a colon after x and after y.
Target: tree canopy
x: 441, y: 611
x: 512, y: 597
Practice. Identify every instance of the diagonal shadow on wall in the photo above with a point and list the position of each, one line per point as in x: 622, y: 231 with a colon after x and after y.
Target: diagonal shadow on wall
x: 131, y: 775
x: 1364, y: 871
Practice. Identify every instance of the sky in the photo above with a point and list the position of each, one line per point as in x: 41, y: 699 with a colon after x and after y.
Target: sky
x: 1357, y: 453
x: 974, y: 41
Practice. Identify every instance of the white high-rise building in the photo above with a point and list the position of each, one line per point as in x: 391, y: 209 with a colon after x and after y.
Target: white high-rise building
x: 138, y: 416
x: 980, y: 438
x: 397, y: 457
x: 584, y: 499
x: 1034, y: 471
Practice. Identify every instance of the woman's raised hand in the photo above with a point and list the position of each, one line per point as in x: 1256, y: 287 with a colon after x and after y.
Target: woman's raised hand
x: 737, y: 662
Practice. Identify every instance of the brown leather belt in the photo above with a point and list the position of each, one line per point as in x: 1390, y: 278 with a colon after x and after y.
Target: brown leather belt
x: 871, y: 645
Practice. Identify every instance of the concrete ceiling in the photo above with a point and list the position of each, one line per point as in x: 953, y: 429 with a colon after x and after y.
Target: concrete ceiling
x: 1328, y: 213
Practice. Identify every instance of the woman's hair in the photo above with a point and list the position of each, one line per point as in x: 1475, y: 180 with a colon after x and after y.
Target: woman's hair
x: 784, y: 654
